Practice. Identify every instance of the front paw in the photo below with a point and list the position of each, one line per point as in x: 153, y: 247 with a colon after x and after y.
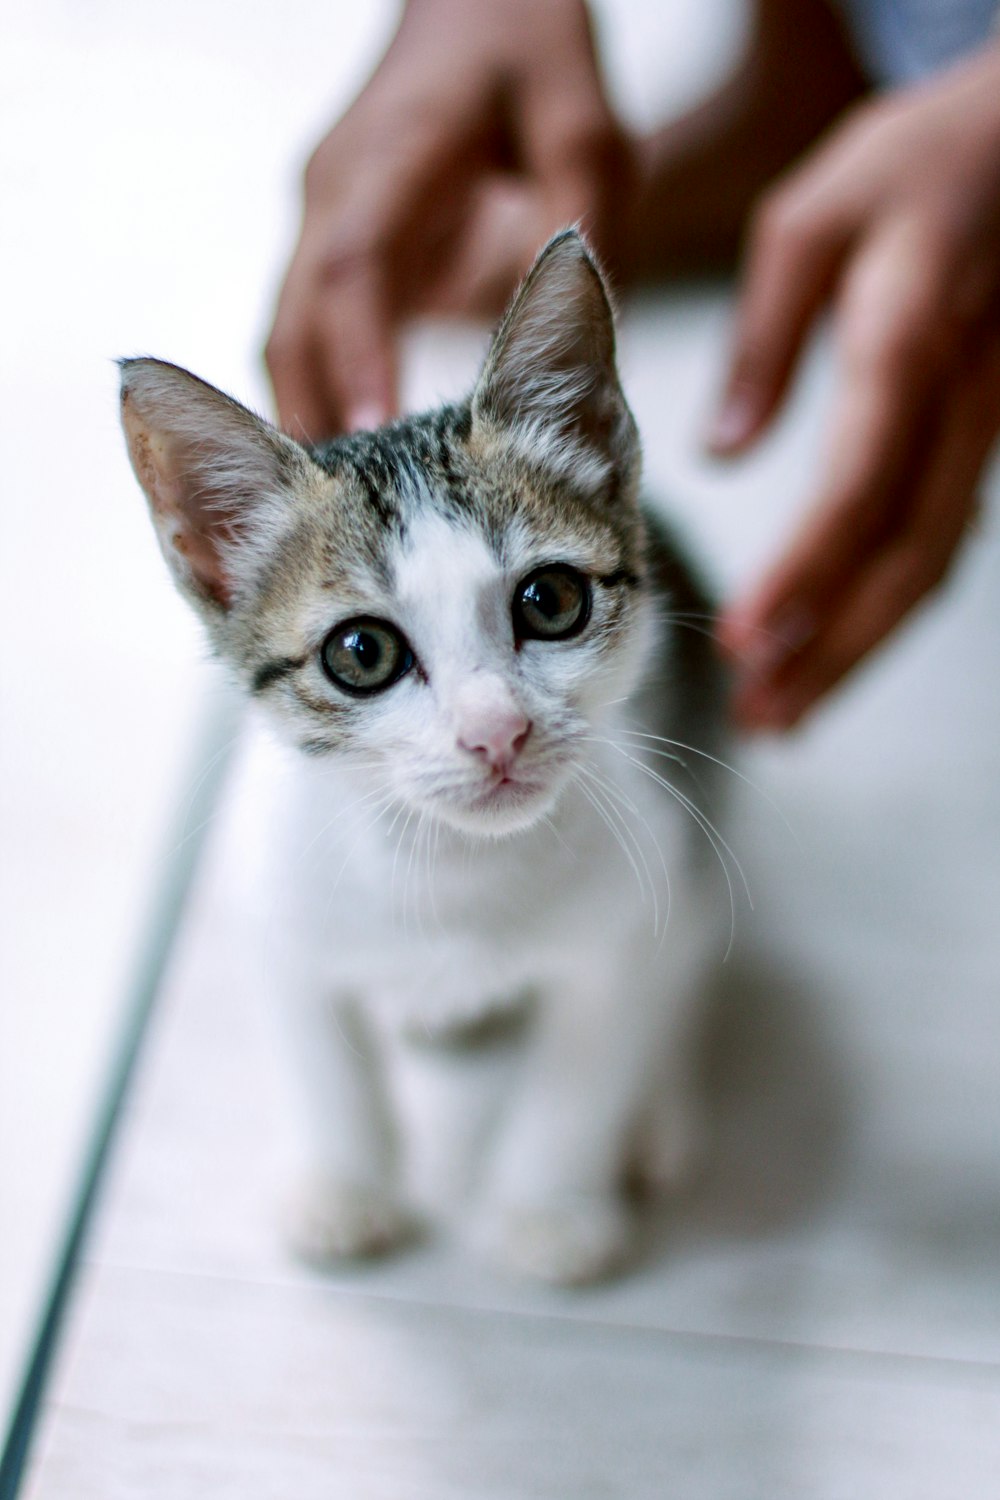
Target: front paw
x: 330, y: 1220
x: 568, y: 1241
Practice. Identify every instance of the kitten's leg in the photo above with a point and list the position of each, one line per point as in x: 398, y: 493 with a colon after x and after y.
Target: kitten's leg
x: 605, y: 1045
x: 554, y: 1209
x: 347, y: 1202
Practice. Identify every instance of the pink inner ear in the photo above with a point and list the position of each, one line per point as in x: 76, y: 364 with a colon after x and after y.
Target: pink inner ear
x: 203, y: 560
x: 182, y: 525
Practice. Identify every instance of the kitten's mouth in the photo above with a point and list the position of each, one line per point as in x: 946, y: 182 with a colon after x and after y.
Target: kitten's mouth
x: 505, y: 805
x: 508, y: 791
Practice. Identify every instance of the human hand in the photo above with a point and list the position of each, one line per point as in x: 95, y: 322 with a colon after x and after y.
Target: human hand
x: 484, y: 129
x: 895, y: 218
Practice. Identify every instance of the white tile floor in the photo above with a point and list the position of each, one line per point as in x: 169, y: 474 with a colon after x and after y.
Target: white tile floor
x: 819, y: 1318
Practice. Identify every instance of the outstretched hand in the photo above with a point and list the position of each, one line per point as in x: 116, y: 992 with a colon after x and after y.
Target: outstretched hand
x: 895, y: 219
x: 484, y: 129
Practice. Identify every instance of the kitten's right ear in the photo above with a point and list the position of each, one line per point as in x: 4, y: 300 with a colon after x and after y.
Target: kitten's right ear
x: 550, y: 380
x: 218, y: 479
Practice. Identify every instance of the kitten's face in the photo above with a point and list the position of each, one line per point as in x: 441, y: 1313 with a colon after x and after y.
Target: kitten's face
x: 466, y: 654
x: 451, y: 602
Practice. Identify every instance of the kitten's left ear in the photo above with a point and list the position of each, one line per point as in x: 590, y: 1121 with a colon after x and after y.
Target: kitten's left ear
x: 550, y: 378
x: 219, y: 480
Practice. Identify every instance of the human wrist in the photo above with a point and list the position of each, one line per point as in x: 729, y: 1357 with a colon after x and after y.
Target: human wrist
x: 700, y: 175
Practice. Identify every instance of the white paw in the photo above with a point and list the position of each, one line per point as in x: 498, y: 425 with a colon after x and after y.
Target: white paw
x: 330, y: 1220
x: 567, y: 1241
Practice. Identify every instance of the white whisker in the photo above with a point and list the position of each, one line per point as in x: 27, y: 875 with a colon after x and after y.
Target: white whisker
x: 592, y: 795
x: 340, y: 816
x: 612, y: 790
x: 555, y: 831
x: 414, y: 846
x: 395, y: 858
x: 693, y: 750
x: 608, y: 789
x: 433, y: 844
x: 715, y: 839
x: 379, y: 812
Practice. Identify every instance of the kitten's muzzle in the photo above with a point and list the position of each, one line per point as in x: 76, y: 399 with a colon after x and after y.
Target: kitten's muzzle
x: 499, y: 748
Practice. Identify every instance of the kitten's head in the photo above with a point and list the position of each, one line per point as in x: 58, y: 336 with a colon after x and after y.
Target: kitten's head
x: 451, y: 600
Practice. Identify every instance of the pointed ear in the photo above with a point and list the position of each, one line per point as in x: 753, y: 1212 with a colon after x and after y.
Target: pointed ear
x: 219, y: 480
x: 550, y: 377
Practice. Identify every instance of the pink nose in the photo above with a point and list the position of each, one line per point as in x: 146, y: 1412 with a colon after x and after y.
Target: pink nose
x: 497, y: 740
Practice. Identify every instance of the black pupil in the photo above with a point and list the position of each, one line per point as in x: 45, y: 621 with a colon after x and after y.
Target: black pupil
x: 545, y: 597
x: 366, y: 649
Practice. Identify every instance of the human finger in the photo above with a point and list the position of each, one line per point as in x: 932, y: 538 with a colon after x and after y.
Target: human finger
x: 894, y: 362
x: 797, y: 242
x: 331, y: 355
x: 569, y: 138
x: 914, y: 560
x: 355, y: 343
x: 292, y: 366
x: 379, y: 189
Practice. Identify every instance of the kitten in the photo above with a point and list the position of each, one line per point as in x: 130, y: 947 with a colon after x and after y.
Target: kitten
x: 473, y: 632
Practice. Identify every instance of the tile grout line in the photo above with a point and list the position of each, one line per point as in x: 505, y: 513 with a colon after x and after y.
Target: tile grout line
x: 754, y: 1343
x: 200, y: 790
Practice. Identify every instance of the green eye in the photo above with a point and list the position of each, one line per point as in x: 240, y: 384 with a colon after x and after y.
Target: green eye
x: 365, y: 656
x: 551, y: 604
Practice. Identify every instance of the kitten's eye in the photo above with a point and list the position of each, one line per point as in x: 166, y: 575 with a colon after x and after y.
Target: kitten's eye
x: 552, y: 604
x: 365, y: 656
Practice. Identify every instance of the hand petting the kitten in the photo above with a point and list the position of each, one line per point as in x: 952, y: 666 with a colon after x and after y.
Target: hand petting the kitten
x: 485, y: 127
x: 483, y: 130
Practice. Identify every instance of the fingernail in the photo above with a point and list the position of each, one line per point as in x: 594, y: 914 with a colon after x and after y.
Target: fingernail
x: 364, y: 418
x: 733, y: 423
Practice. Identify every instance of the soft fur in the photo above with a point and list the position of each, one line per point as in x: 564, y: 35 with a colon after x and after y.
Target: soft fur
x: 545, y: 799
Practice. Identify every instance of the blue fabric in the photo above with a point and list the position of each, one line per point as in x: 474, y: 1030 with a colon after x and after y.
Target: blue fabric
x: 900, y: 41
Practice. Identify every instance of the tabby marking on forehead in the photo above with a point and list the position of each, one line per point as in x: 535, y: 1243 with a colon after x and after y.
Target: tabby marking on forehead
x: 383, y: 462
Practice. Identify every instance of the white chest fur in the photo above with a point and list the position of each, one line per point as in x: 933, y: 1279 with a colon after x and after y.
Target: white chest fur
x: 435, y: 928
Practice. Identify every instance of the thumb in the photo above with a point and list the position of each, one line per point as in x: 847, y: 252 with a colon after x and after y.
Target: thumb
x: 357, y: 346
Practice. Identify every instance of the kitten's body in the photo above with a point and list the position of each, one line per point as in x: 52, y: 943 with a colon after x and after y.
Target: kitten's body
x: 480, y: 828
